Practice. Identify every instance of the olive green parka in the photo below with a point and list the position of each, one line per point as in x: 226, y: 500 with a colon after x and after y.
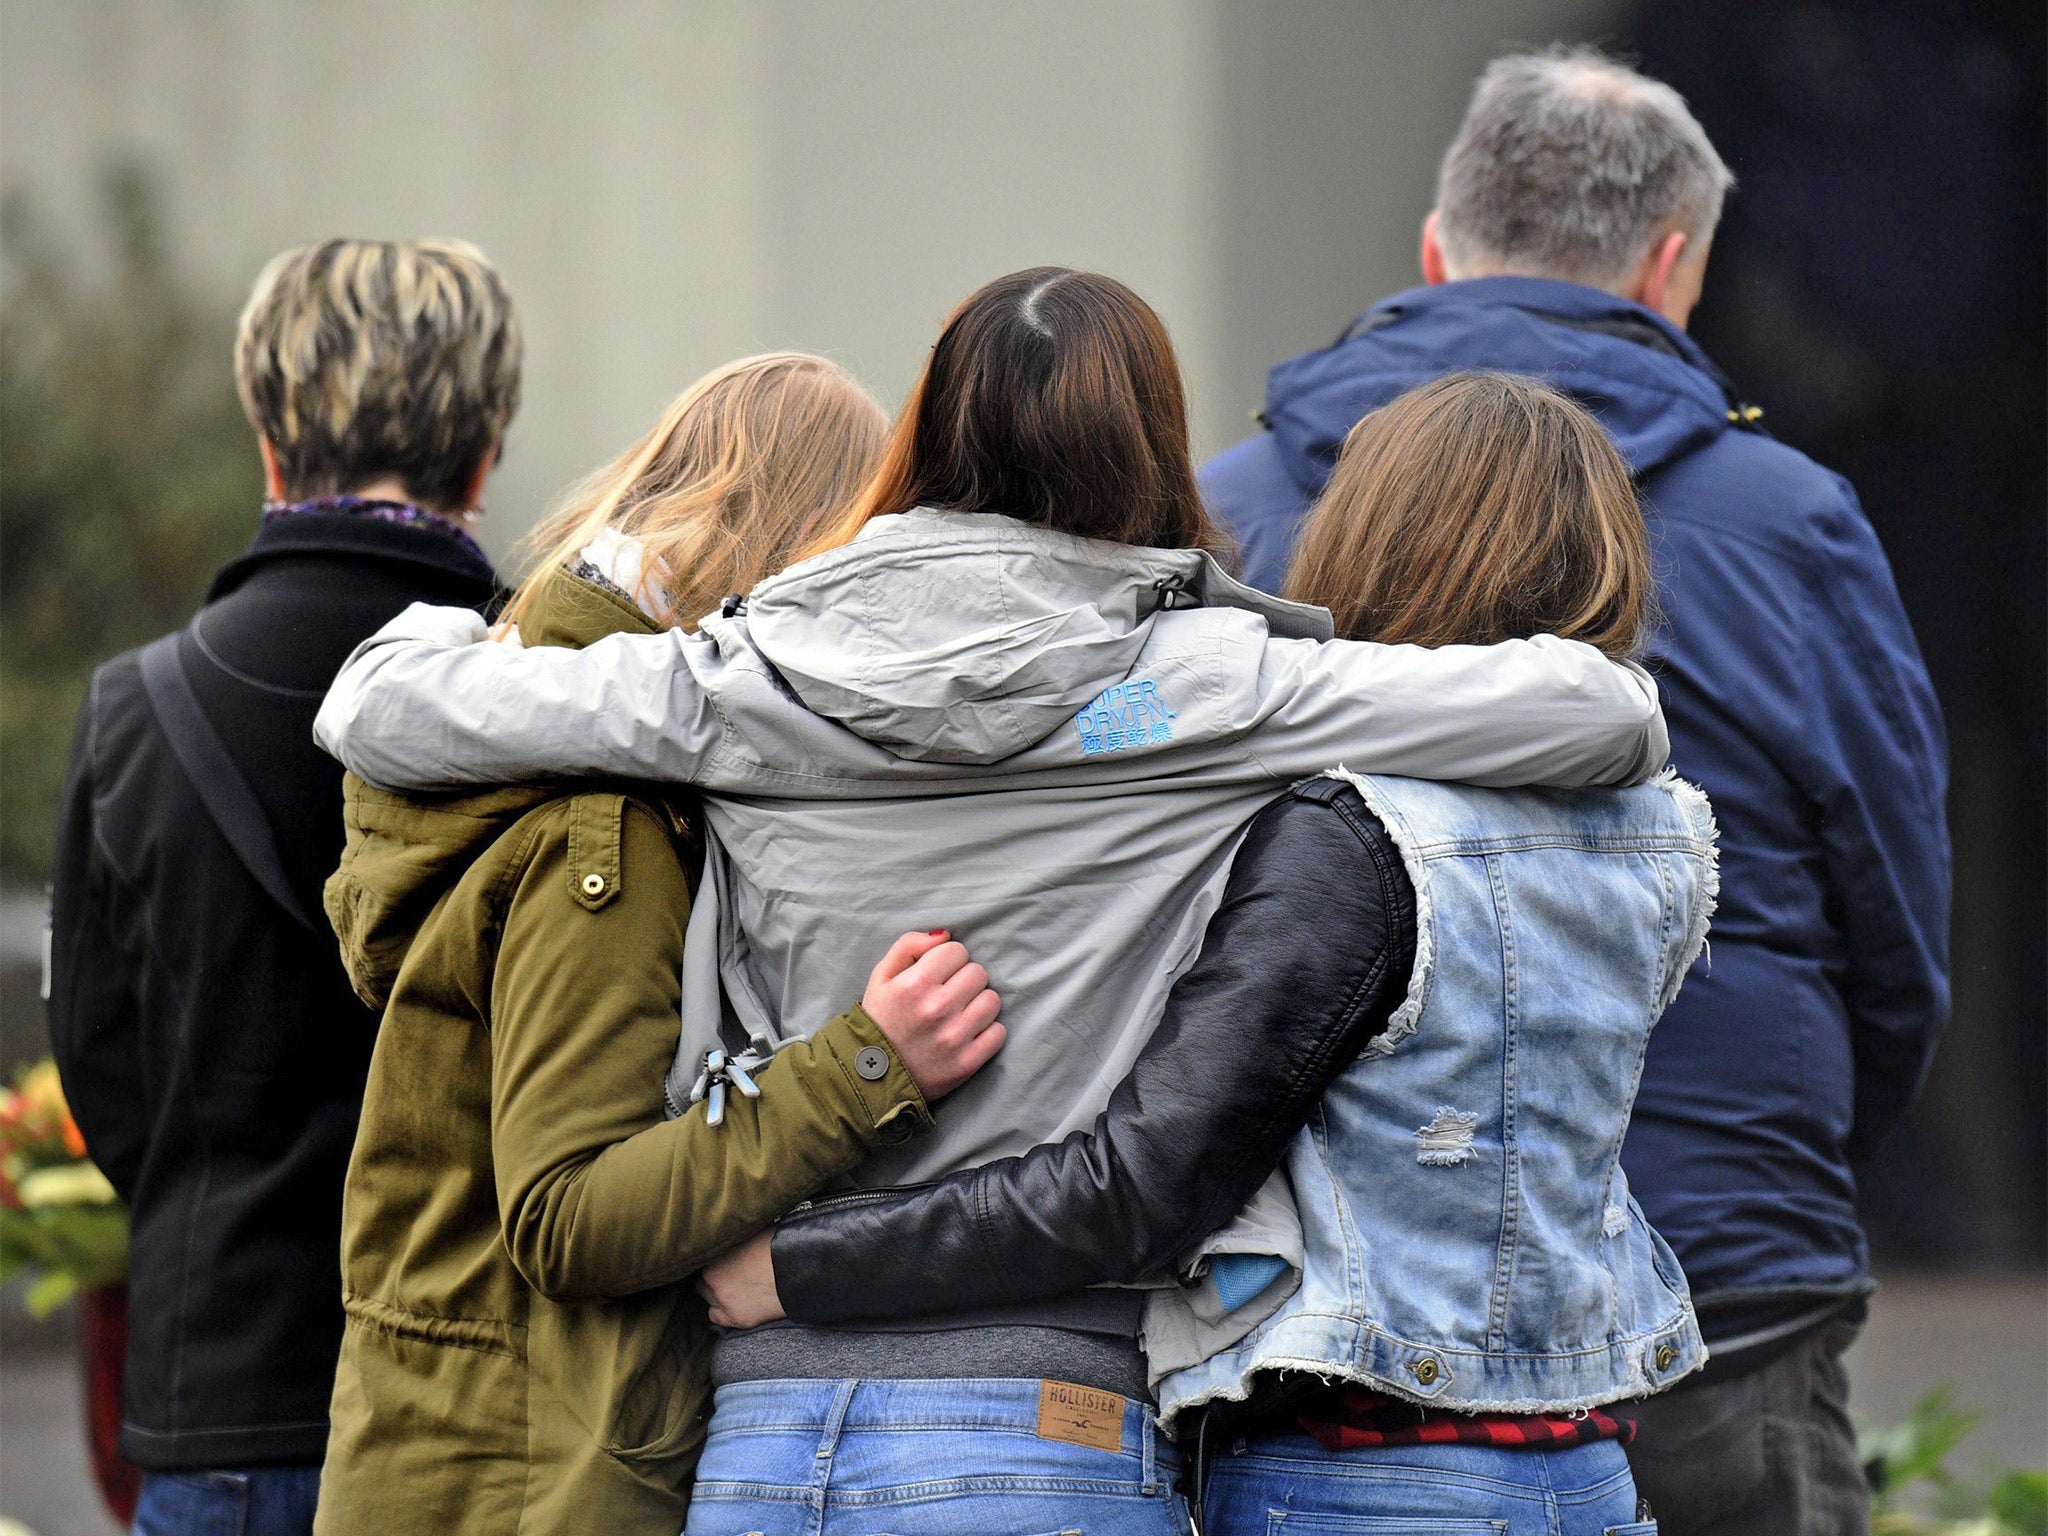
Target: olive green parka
x: 522, y: 1353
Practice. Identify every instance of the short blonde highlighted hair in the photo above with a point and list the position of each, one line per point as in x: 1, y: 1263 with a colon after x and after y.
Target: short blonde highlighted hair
x: 358, y: 359
x: 743, y: 469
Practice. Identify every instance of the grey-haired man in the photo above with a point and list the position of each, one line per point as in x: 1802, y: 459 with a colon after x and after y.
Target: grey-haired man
x: 1569, y: 241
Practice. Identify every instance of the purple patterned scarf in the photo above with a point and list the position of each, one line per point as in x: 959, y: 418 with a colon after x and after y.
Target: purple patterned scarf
x: 383, y: 511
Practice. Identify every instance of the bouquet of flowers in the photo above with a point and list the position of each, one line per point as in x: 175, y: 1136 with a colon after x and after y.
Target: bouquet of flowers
x: 60, y: 1222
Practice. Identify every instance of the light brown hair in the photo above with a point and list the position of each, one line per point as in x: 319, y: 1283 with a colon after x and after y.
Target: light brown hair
x: 743, y: 467
x: 358, y: 359
x: 1476, y: 508
x: 1053, y: 397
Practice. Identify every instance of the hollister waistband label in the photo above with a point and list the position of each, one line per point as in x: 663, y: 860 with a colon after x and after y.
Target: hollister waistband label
x: 1080, y: 1415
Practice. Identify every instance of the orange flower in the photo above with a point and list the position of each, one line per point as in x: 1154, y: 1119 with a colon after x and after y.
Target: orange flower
x: 34, y: 1119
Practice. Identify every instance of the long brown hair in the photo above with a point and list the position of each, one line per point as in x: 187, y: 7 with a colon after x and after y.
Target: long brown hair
x: 743, y: 467
x: 1053, y: 397
x: 1480, y: 507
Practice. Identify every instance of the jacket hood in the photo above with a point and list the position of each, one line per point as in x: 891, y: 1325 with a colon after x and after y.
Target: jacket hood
x: 966, y: 637
x: 405, y: 852
x: 1657, y: 394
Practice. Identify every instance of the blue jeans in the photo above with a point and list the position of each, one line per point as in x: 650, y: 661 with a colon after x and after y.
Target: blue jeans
x: 923, y: 1458
x: 1289, y: 1483
x: 241, y: 1501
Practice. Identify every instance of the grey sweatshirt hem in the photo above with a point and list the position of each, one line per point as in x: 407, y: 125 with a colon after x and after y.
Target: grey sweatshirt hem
x: 1089, y: 1338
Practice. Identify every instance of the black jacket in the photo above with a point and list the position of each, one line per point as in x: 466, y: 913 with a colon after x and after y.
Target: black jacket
x: 1302, y: 965
x: 210, y: 1046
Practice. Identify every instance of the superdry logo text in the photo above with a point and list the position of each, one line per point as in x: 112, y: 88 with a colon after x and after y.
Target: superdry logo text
x: 1126, y: 715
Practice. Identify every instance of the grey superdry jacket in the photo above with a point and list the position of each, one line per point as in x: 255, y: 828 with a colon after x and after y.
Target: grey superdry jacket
x: 961, y: 721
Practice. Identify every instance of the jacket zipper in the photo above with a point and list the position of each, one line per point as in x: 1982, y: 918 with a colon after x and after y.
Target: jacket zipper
x: 861, y: 1197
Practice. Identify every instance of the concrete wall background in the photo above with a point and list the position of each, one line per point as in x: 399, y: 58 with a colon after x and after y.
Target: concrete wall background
x: 670, y: 185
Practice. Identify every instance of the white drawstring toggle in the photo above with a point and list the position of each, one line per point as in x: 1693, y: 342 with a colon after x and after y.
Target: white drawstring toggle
x: 722, y: 1071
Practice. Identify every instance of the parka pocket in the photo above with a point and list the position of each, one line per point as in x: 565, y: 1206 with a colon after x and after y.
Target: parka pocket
x: 633, y: 1374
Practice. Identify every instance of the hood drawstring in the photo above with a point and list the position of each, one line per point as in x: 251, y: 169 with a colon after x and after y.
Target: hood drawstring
x: 1174, y: 594
x: 723, y: 1071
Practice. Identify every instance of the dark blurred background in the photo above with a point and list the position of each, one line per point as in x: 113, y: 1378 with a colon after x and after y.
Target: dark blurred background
x: 1877, y: 285
x: 669, y: 185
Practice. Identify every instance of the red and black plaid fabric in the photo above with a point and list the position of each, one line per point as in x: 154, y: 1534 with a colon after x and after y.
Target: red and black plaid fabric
x: 1351, y: 1418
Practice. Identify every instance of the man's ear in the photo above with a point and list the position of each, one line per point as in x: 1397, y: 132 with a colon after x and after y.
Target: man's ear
x: 1433, y: 269
x: 273, y: 477
x: 1652, y: 285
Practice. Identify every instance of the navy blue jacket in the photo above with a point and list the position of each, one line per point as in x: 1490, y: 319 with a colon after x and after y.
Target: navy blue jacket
x: 1796, y: 698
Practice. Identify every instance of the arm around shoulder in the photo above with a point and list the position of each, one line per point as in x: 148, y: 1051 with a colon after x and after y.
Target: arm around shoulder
x: 430, y: 702
x: 1538, y: 711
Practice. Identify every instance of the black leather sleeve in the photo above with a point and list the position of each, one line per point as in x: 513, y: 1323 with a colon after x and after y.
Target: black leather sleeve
x: 1304, y: 961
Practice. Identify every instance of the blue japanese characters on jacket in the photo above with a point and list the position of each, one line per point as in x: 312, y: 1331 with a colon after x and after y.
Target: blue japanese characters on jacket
x: 1126, y: 715
x: 1796, y: 697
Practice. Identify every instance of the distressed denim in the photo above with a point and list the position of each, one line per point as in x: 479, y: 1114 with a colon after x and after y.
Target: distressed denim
x: 242, y: 1501
x: 923, y: 1458
x: 1290, y: 1484
x: 1469, y: 1239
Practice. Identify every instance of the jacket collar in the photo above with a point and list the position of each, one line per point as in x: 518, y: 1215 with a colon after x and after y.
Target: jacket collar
x: 1656, y: 392
x: 569, y: 609
x: 359, y: 538
x: 1551, y: 299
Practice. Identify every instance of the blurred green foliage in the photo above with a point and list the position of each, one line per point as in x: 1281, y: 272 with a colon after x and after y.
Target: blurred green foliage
x: 1910, y: 1459
x: 127, y: 476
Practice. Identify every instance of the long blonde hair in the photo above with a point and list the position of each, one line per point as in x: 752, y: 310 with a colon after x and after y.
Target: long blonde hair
x: 742, y: 469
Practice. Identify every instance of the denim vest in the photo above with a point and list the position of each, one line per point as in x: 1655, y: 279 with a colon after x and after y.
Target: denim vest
x: 1469, y: 1238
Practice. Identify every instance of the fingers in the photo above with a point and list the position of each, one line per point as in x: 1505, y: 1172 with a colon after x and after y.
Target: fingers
x: 720, y: 1311
x: 906, y: 952
x: 957, y: 990
x: 982, y: 1011
x: 983, y: 1049
x: 943, y: 960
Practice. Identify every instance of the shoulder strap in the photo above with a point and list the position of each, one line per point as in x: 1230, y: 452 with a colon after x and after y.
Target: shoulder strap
x: 226, y: 794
